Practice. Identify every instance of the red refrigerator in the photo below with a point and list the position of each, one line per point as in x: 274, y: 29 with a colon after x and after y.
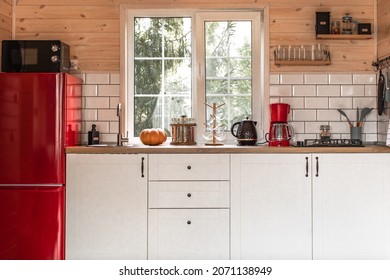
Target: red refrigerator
x: 40, y: 114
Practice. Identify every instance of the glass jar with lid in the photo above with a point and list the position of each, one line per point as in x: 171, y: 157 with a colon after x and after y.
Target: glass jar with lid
x: 325, y: 132
x: 347, y: 24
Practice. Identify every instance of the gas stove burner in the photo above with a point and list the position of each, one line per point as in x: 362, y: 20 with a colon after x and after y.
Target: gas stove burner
x: 330, y: 143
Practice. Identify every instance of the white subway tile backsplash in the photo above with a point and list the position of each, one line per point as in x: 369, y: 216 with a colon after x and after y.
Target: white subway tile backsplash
x: 328, y: 90
x: 291, y: 79
x: 90, y: 90
x: 352, y: 90
x: 314, y: 98
x: 339, y: 127
x: 97, y: 79
x: 114, y: 127
x: 340, y: 102
x: 97, y: 102
x: 316, y: 79
x: 299, y: 127
x: 114, y: 102
x: 108, y: 90
x: 280, y: 90
x: 304, y: 115
x: 114, y: 79
x: 328, y: 115
x: 108, y: 138
x: 316, y: 103
x: 295, y: 103
x: 369, y: 127
x: 340, y: 79
x: 304, y: 90
x: 313, y: 127
x: 102, y: 127
x: 362, y: 102
x: 372, y: 137
x: 107, y: 115
x: 274, y: 79
x: 362, y: 79
x: 370, y: 90
x: 89, y: 114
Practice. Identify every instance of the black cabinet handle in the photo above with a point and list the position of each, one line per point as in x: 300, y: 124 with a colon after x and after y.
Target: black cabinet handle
x: 189, y: 167
x: 188, y: 222
x: 142, y: 167
x: 317, y: 167
x: 307, y: 167
x: 188, y: 194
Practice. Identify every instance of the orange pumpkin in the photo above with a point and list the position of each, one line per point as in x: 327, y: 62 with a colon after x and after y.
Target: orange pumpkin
x: 153, y: 136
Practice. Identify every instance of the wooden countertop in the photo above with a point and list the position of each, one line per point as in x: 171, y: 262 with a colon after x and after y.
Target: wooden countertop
x: 226, y: 149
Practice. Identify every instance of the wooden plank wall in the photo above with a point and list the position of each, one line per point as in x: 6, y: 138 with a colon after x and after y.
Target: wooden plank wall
x: 92, y: 28
x: 5, y: 20
x: 383, y: 28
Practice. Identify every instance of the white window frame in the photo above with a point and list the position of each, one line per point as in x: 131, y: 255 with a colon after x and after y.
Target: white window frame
x: 260, y: 69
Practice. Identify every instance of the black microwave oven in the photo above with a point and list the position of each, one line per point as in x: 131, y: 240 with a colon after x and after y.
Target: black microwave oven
x: 35, y: 56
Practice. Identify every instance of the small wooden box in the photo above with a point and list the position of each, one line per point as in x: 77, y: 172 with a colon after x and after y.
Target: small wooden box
x: 322, y: 22
x: 364, y: 28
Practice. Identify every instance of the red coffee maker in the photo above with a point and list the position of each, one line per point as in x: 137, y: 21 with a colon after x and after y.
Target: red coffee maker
x: 280, y: 132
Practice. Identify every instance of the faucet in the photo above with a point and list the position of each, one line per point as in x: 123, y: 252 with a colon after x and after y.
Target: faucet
x: 120, y: 139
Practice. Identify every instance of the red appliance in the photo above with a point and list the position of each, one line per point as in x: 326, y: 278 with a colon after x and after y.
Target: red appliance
x: 280, y: 132
x: 40, y: 114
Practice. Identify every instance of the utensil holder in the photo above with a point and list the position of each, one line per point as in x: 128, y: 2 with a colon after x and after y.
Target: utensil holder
x: 356, y: 132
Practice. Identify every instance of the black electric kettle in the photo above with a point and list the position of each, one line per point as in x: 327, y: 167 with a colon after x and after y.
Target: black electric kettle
x: 245, y: 132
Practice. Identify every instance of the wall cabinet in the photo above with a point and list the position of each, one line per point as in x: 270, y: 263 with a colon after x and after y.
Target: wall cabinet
x: 189, y: 201
x: 106, y: 206
x: 338, y: 208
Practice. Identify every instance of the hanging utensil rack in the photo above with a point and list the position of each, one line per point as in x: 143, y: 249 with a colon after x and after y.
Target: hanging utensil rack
x: 382, y: 64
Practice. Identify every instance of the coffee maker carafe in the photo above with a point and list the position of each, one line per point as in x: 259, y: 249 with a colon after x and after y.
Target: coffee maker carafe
x: 280, y: 132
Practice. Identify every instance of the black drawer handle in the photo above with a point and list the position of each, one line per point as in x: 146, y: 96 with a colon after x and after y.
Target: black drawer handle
x: 189, y: 194
x: 189, y: 167
x: 188, y: 222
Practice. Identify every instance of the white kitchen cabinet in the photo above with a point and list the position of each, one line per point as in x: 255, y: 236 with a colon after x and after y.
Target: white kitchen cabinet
x: 189, y: 206
x: 351, y: 206
x: 271, y: 206
x: 106, y: 206
x: 197, y: 234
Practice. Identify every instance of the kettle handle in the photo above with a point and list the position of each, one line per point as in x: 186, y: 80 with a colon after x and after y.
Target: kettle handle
x: 232, y: 129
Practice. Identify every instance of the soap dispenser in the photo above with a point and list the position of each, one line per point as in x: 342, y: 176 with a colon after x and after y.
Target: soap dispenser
x: 93, y: 136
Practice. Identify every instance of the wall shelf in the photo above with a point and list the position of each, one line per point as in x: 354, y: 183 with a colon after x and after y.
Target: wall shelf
x: 345, y: 36
x: 302, y: 62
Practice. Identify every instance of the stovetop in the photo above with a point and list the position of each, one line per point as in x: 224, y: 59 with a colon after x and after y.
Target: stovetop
x: 330, y: 143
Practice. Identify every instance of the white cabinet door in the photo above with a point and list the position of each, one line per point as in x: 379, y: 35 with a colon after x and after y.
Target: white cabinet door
x: 271, y: 206
x: 351, y: 206
x: 188, y: 234
x: 106, y: 207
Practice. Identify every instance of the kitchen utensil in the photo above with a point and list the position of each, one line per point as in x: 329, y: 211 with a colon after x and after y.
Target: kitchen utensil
x: 245, y: 132
x: 345, y: 115
x: 365, y: 111
x: 381, y: 87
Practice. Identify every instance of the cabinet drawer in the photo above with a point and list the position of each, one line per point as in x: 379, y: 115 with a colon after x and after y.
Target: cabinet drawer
x: 189, y: 167
x: 188, y: 234
x: 189, y: 194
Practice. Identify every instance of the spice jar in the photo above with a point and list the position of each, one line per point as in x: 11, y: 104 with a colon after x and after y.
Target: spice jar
x: 335, y: 27
x: 325, y: 132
